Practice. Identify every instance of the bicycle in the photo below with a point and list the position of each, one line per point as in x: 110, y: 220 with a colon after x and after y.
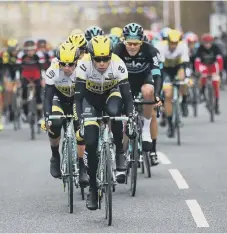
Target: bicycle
x: 135, y: 154
x: 69, y: 161
x: 106, y: 179
x: 176, y: 114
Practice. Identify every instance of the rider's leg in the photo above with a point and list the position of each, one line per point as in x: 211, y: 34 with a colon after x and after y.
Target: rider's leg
x: 113, y: 108
x: 54, y: 137
x: 216, y: 86
x: 148, y: 94
x: 38, y: 90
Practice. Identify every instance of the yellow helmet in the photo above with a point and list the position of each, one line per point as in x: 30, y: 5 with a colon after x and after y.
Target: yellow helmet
x: 67, y: 53
x: 100, y: 46
x: 77, y: 39
x: 12, y: 42
x: 76, y: 31
x: 116, y: 31
x: 174, y: 36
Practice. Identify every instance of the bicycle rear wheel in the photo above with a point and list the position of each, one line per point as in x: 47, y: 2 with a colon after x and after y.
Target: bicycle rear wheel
x: 146, y: 157
x: 70, y: 176
x: 210, y: 99
x: 134, y: 165
x: 176, y: 108
x: 195, y: 100
x: 108, y: 185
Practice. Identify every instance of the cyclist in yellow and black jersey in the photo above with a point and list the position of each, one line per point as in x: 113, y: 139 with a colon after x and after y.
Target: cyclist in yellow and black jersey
x: 102, y: 85
x: 58, y: 100
x: 174, y: 54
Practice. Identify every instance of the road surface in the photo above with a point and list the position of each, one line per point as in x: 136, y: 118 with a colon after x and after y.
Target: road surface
x: 187, y: 191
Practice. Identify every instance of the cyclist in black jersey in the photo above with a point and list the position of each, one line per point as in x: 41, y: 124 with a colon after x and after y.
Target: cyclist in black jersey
x: 142, y: 62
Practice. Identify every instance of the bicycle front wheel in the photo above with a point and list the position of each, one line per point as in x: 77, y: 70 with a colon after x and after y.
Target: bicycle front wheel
x: 134, y: 163
x: 70, y: 177
x: 108, y: 184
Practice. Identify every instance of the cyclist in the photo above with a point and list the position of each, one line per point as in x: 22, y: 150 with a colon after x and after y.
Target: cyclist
x: 114, y: 39
x: 30, y: 69
x: 193, y: 44
x: 209, y: 62
x: 175, y: 58
x: 42, y: 45
x: 58, y: 99
x: 9, y: 69
x: 92, y: 32
x: 102, y: 85
x: 142, y: 62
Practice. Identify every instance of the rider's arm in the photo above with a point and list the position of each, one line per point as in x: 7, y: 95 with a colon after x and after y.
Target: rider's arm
x: 154, y: 58
x: 185, y: 60
x: 78, y: 98
x: 124, y: 86
x: 219, y: 58
x: 50, y: 76
x: 197, y: 61
x: 48, y: 98
x: 81, y: 75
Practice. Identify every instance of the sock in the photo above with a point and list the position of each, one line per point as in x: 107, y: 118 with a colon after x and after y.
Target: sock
x: 146, y: 136
x: 169, y: 119
x: 55, y: 152
x: 154, y: 145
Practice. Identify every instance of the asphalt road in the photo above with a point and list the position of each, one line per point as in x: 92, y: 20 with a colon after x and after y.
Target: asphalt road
x: 187, y: 192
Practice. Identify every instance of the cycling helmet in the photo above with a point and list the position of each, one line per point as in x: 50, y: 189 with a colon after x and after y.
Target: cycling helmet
x: 76, y: 31
x: 78, y: 39
x: 13, y: 43
x: 191, y: 38
x: 164, y: 33
x: 133, y: 31
x: 41, y: 43
x: 92, y: 32
x: 174, y: 36
x: 67, y: 53
x: 117, y: 31
x: 207, y: 38
x: 29, y: 45
x: 114, y: 39
x: 100, y: 46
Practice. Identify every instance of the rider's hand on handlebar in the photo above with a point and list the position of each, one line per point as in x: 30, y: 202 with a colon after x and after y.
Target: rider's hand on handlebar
x: 158, y: 100
x: 130, y: 128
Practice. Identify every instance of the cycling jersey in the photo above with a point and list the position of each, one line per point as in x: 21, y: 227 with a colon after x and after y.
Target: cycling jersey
x: 59, y: 84
x: 211, y: 59
x: 30, y: 67
x: 97, y: 82
x: 95, y: 85
x: 173, y: 58
x: 144, y: 68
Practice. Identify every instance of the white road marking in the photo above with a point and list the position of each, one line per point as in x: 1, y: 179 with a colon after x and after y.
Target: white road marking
x: 178, y: 178
x: 197, y: 213
x: 163, y: 158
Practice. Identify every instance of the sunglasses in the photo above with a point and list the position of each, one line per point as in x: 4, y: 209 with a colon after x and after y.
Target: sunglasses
x: 102, y: 59
x: 66, y: 64
x: 133, y: 43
